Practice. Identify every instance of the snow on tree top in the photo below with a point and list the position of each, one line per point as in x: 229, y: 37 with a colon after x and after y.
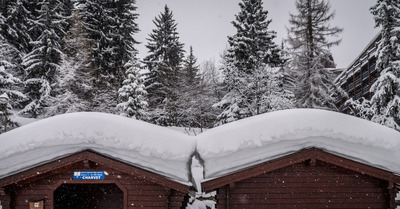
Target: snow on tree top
x: 262, y: 138
x: 158, y: 149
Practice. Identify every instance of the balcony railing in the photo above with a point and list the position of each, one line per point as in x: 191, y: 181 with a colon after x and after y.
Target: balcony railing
x: 372, y: 51
x: 365, y: 75
x: 365, y: 60
x: 350, y: 87
x: 358, y: 95
x: 373, y: 80
x: 366, y: 90
x: 372, y: 68
x: 358, y: 82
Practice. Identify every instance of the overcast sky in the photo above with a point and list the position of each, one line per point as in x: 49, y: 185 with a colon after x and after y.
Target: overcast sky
x: 205, y: 24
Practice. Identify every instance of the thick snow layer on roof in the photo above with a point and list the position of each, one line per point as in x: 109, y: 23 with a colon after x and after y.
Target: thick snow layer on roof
x: 262, y: 138
x: 154, y: 148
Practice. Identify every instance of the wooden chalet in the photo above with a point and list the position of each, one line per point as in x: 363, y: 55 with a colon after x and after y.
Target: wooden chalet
x: 301, y: 159
x: 93, y: 161
x: 123, y: 186
x: 307, y: 179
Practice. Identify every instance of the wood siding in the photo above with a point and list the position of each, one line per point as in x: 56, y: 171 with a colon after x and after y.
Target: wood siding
x: 138, y: 191
x: 306, y: 186
x: 5, y: 201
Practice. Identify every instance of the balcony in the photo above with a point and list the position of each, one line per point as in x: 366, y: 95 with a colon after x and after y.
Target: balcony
x: 366, y: 90
x: 350, y: 87
x: 364, y: 60
x: 372, y: 68
x: 372, y: 52
x: 358, y: 95
x: 358, y: 82
x: 373, y: 80
x: 365, y: 75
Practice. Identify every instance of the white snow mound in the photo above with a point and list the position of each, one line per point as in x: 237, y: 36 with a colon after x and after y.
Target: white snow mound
x: 154, y: 148
x: 262, y: 138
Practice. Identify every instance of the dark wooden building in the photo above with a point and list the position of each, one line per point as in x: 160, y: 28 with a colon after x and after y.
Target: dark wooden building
x: 301, y: 159
x: 308, y: 179
x: 94, y: 161
x: 119, y: 186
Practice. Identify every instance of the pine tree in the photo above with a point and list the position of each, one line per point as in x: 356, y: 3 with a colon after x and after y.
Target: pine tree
x: 111, y: 26
x: 17, y: 22
x: 251, y: 51
x: 360, y: 108
x: 73, y: 91
x: 132, y: 94
x: 12, y: 97
x: 386, y: 90
x: 276, y: 92
x: 15, y: 30
x: 8, y: 82
x: 253, y: 43
x: 42, y: 63
x: 189, y: 103
x: 164, y: 64
x: 211, y: 92
x: 310, y: 40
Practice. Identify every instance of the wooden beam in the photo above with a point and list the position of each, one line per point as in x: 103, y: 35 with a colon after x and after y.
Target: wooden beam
x: 392, y: 195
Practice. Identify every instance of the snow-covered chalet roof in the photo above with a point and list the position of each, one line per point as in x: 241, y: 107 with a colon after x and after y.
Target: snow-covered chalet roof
x: 248, y: 142
x: 154, y: 148
x: 224, y: 150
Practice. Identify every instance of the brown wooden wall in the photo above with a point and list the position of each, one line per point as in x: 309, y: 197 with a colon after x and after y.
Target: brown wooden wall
x: 138, y: 193
x: 306, y: 186
x: 5, y: 201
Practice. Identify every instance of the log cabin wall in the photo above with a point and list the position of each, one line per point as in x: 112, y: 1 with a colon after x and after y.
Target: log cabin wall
x: 306, y: 186
x: 137, y: 191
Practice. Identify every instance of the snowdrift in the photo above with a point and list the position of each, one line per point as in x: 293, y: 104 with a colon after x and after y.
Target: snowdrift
x: 262, y: 138
x: 144, y: 145
x: 225, y: 149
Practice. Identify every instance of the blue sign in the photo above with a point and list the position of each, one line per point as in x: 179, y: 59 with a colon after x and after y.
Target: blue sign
x: 88, y: 175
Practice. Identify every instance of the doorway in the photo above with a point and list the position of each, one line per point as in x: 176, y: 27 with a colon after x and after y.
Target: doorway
x: 88, y: 196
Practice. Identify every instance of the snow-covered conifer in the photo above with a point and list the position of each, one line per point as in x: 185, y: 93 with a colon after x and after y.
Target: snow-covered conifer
x: 42, y: 63
x: 386, y: 90
x: 16, y: 32
x: 110, y: 26
x: 253, y: 43
x: 164, y: 64
x: 192, y: 102
x: 251, y: 51
x: 73, y: 91
x: 17, y: 23
x: 132, y: 95
x: 360, y: 108
x: 310, y: 39
x: 11, y: 95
